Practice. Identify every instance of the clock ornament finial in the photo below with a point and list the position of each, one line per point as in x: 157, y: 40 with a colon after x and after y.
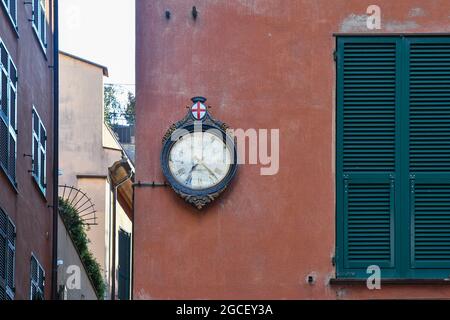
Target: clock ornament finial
x: 198, y: 109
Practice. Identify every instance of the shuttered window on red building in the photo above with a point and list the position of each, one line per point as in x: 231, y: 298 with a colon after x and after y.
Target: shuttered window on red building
x: 39, y: 152
x: 40, y: 22
x: 7, y: 257
x: 8, y: 114
x: 37, y: 280
x: 393, y: 156
x: 10, y: 7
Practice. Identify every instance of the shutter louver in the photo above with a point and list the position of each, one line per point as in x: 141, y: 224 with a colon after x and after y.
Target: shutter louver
x: 35, y: 157
x: 42, y: 170
x: 2, y: 256
x: 369, y: 107
x: 432, y: 225
x: 368, y: 222
x: 7, y: 257
x: 2, y: 294
x: 12, y: 117
x: 4, y: 93
x: 430, y: 107
x: 368, y: 74
x: 10, y: 259
x: 4, y: 144
x: 429, y: 152
x: 3, y: 246
x: 12, y: 158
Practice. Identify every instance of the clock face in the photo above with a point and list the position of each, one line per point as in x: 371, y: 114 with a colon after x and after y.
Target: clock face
x: 199, y: 160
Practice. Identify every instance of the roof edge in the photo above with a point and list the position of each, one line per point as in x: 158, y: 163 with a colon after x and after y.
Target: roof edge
x: 105, y: 69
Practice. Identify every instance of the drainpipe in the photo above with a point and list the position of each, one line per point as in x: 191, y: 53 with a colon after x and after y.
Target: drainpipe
x: 113, y: 267
x: 55, y: 149
x: 132, y: 252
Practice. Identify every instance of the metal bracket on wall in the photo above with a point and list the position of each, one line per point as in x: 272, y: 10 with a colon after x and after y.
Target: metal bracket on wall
x: 153, y: 184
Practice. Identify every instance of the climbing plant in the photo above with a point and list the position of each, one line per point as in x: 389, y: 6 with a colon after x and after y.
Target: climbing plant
x: 76, y: 230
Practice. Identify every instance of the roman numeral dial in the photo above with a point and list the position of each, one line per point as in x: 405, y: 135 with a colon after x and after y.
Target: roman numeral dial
x: 200, y: 160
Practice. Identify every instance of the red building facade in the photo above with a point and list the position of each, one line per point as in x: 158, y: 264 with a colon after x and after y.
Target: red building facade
x: 272, y: 65
x: 26, y: 149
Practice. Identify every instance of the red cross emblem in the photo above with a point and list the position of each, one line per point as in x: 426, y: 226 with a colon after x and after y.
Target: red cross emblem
x: 198, y: 111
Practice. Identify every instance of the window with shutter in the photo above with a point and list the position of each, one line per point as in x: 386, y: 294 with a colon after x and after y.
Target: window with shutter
x: 393, y: 156
x: 10, y: 7
x: 7, y: 257
x: 39, y: 22
x: 124, y: 284
x: 39, y: 150
x: 37, y: 280
x: 8, y: 114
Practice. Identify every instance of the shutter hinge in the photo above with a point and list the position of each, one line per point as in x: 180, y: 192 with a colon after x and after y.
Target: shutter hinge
x: 333, y: 261
x: 335, y: 55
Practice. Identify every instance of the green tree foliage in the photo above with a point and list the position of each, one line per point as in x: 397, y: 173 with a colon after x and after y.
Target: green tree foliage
x: 76, y: 230
x: 130, y: 112
x: 112, y: 103
x: 117, y: 107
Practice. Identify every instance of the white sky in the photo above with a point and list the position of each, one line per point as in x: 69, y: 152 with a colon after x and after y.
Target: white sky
x: 101, y: 31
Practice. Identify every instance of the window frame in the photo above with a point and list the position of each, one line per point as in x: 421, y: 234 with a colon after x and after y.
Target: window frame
x: 41, y: 150
x: 37, y: 24
x: 12, y: 84
x: 36, y: 283
x: 12, y: 19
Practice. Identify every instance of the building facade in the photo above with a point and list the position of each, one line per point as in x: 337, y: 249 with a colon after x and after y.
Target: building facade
x: 93, y: 161
x: 26, y: 148
x: 360, y: 96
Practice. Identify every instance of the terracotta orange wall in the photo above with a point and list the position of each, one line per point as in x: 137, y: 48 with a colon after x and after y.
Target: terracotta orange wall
x: 261, y: 64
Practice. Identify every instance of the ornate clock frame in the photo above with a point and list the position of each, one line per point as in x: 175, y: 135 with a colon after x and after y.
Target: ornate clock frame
x: 198, y: 198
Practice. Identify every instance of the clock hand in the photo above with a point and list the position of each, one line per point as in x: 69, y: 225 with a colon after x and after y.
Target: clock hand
x: 200, y: 162
x: 189, y: 179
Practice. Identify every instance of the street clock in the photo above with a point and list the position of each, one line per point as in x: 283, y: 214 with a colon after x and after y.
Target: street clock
x: 199, y: 157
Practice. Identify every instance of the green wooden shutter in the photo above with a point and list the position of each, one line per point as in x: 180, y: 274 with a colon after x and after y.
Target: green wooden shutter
x: 7, y: 257
x: 4, y: 123
x: 124, y: 265
x: 393, y: 156
x: 367, y: 96
x: 429, y: 125
x: 3, y: 246
x: 10, y: 261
